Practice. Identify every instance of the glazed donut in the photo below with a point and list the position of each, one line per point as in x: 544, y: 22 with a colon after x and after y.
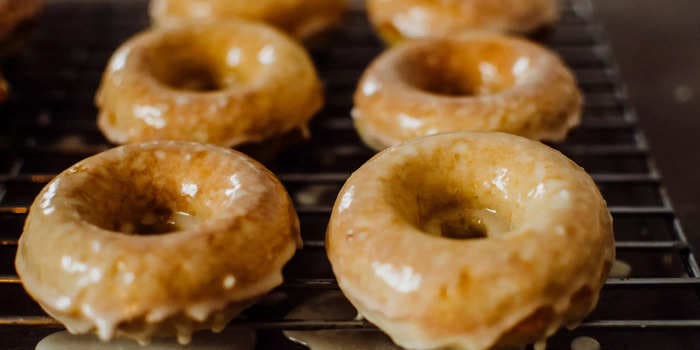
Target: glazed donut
x: 303, y: 19
x: 15, y: 12
x: 464, y: 241
x: 396, y: 20
x: 219, y: 83
x: 475, y: 82
x: 156, y: 239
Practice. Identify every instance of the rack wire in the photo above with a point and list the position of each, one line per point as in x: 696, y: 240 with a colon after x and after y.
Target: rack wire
x: 49, y: 124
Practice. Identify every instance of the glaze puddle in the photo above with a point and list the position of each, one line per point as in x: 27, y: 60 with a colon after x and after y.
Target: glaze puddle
x: 585, y: 343
x: 620, y: 269
x: 333, y: 306
x: 230, y: 339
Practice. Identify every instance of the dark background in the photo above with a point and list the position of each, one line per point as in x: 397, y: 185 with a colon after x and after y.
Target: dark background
x: 657, y: 47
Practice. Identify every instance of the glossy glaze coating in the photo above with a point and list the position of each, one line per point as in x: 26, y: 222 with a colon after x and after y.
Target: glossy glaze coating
x: 220, y: 83
x: 78, y: 260
x: 474, y: 82
x: 547, y: 251
x: 302, y: 19
x: 396, y: 20
x: 14, y: 12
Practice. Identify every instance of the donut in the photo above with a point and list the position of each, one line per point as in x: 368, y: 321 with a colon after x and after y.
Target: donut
x: 302, y: 19
x: 396, y: 20
x: 156, y: 239
x: 470, y: 240
x: 474, y: 82
x: 222, y: 83
x: 15, y: 12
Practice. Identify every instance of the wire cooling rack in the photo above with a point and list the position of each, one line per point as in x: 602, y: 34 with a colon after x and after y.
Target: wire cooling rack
x: 49, y: 124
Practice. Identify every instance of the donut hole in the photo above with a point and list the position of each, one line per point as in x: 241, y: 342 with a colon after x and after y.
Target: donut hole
x: 438, y: 204
x: 463, y: 228
x: 202, y: 61
x: 155, y: 221
x: 188, y: 74
x: 454, y: 68
x: 157, y: 192
x: 187, y: 71
x: 144, y: 209
x: 458, y: 220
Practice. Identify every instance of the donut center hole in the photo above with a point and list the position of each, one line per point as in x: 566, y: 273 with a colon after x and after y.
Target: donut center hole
x: 195, y: 78
x: 462, y: 223
x: 138, y: 208
x: 190, y: 74
x: 461, y: 69
x: 157, y: 221
x: 463, y: 229
x: 443, y: 82
x: 191, y: 63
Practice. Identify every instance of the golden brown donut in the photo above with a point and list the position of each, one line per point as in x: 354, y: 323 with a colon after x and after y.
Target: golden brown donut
x: 470, y: 241
x: 302, y: 19
x: 477, y: 82
x: 15, y: 12
x: 156, y: 239
x: 222, y: 83
x: 396, y: 20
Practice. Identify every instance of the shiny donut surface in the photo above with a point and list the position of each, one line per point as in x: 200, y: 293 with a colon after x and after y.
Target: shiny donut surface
x: 222, y: 83
x: 470, y: 241
x: 302, y: 19
x: 156, y: 239
x: 397, y: 20
x: 474, y: 82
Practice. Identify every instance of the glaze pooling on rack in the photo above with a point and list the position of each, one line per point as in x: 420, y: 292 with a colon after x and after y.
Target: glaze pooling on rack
x: 241, y: 339
x: 333, y: 306
x: 52, y: 100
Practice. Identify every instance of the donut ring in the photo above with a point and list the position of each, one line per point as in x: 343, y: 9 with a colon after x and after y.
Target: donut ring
x: 517, y: 281
x: 219, y: 83
x: 15, y: 12
x: 302, y: 19
x: 477, y: 82
x: 188, y: 272
x: 396, y: 20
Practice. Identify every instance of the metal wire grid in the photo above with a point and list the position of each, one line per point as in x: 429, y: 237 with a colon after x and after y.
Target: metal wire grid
x: 49, y: 125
